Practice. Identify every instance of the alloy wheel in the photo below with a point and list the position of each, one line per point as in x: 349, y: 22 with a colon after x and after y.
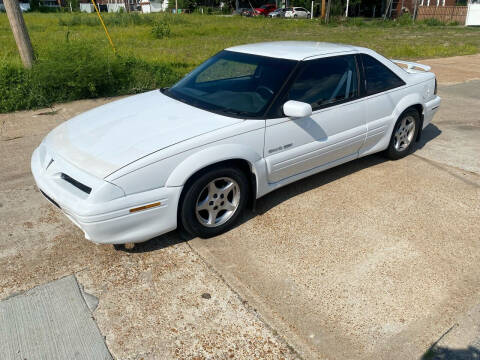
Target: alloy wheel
x: 217, y: 202
x: 404, y: 134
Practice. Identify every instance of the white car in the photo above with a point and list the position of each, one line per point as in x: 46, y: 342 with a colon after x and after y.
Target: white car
x: 278, y: 13
x: 247, y: 121
x: 297, y: 12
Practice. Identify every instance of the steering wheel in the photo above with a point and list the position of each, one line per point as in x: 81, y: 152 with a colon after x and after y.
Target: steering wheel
x: 264, y: 91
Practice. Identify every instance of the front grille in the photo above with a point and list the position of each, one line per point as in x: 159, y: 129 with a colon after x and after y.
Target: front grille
x: 77, y: 184
x: 50, y: 199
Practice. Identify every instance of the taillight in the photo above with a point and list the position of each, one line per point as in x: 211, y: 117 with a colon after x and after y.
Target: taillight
x: 435, y: 89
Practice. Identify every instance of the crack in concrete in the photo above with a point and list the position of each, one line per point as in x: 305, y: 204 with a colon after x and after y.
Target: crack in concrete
x: 443, y: 167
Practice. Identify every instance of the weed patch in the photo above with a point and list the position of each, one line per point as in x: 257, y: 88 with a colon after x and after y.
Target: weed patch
x: 56, y: 78
x: 161, y: 30
x: 74, y: 58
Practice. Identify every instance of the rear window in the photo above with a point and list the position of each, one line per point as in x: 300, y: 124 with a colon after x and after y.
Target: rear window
x: 378, y: 77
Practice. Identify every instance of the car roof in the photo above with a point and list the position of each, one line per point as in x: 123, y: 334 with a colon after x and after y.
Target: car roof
x: 293, y: 50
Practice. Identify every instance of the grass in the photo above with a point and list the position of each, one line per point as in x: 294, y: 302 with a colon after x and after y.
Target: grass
x: 75, y: 60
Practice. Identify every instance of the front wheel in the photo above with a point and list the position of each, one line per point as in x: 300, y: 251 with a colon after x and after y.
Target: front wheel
x: 404, y: 135
x: 213, y: 203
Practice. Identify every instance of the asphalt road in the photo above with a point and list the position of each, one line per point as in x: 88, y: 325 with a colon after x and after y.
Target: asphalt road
x: 373, y: 259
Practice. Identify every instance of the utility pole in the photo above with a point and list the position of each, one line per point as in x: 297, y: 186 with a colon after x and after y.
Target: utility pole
x: 20, y: 32
x: 323, y: 9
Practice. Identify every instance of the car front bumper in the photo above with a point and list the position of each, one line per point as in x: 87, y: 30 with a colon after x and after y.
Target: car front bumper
x: 111, y: 222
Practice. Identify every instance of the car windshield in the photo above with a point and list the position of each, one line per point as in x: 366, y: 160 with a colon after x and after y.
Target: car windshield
x: 233, y: 83
x: 264, y: 6
x: 288, y: 9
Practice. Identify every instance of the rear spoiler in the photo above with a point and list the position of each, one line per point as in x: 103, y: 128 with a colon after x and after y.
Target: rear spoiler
x: 411, y: 65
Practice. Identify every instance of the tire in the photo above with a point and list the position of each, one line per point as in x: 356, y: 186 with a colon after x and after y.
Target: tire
x: 209, y: 210
x: 403, y: 137
x: 295, y: 16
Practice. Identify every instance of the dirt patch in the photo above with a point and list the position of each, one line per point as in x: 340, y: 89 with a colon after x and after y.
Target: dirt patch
x: 454, y: 70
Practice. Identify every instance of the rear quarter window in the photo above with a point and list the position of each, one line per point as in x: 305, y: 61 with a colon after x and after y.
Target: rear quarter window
x: 378, y: 77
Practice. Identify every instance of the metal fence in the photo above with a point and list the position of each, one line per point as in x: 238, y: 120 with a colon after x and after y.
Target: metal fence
x: 443, y: 13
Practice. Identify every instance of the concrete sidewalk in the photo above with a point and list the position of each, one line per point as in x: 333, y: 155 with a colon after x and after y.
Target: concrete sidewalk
x: 50, y: 321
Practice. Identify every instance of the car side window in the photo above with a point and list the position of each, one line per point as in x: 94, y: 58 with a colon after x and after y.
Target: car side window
x: 378, y: 77
x: 325, y: 82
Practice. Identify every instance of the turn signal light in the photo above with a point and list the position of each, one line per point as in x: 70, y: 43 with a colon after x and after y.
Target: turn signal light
x: 144, y: 207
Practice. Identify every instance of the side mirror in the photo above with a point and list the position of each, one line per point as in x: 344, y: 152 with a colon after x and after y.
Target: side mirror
x: 297, y: 109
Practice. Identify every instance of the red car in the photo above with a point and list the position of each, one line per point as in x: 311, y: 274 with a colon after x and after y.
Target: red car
x: 265, y: 9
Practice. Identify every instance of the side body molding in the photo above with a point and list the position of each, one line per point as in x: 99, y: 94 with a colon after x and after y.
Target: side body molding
x: 210, y: 156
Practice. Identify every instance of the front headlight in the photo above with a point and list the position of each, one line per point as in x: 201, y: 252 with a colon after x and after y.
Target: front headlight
x: 106, y: 192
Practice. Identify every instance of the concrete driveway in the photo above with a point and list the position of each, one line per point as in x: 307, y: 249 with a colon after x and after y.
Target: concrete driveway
x: 373, y: 259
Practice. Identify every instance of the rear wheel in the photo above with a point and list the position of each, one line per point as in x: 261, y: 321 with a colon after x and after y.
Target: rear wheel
x: 404, y: 134
x: 213, y: 203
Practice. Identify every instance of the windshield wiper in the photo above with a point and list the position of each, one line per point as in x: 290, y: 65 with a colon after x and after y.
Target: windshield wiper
x: 234, y: 112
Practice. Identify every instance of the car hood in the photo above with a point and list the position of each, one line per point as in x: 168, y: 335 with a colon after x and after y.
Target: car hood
x: 107, y: 138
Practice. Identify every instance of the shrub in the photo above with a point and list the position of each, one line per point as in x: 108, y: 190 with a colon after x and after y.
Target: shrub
x: 161, y: 30
x: 405, y: 19
x: 122, y: 19
x: 432, y: 22
x: 453, y: 23
x: 126, y: 19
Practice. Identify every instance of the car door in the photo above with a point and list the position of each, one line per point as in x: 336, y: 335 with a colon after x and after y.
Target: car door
x: 332, y: 134
x: 380, y: 86
x: 303, y: 13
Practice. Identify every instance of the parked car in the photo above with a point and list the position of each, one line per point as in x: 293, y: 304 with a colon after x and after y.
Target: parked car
x: 248, y: 12
x: 297, y: 12
x: 265, y: 9
x: 278, y: 13
x: 249, y: 120
x: 239, y: 11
